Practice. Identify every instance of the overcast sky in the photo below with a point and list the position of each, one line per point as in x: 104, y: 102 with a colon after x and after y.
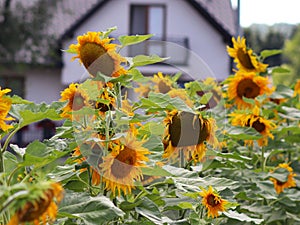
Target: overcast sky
x: 268, y: 11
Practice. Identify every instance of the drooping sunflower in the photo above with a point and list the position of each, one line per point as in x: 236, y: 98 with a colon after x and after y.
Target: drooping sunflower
x: 42, y: 209
x: 248, y: 85
x: 77, y: 99
x: 122, y: 167
x: 212, y: 202
x: 92, y: 154
x: 162, y: 84
x: 5, y: 105
x: 244, y: 57
x: 255, y: 120
x: 188, y: 132
x: 290, y: 181
x: 98, y: 54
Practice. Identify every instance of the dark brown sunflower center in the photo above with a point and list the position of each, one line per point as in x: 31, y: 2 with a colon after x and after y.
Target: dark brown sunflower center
x: 32, y: 211
x: 163, y: 87
x: 211, y: 200
x: 258, y: 126
x: 247, y: 88
x: 280, y: 183
x: 77, y: 102
x: 245, y: 59
x: 187, y: 129
x: 96, y: 59
x: 123, y: 163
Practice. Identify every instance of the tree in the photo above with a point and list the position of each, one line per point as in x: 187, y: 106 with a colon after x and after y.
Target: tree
x: 24, y: 37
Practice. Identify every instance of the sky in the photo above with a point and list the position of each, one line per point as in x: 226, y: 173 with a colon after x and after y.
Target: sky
x: 268, y: 11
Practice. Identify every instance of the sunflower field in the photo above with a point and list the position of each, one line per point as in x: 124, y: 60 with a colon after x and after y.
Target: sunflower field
x: 207, y: 152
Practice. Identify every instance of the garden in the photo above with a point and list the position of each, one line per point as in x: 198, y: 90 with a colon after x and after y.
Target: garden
x: 208, y: 152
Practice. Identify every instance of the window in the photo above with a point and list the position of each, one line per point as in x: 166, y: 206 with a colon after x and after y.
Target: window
x: 15, y: 83
x: 148, y: 19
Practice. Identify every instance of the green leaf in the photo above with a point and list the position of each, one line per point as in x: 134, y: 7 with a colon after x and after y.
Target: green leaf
x: 205, y: 98
x: 279, y: 69
x: 267, y: 53
x: 149, y: 210
x: 155, y: 171
x: 243, y: 133
x: 186, y: 205
x: 241, y: 217
x: 106, y: 33
x: 91, y: 210
x: 72, y: 51
x: 142, y: 60
x: 290, y: 113
x: 126, y: 40
x: 18, y: 100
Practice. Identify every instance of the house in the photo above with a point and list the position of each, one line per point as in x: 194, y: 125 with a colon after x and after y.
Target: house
x: 193, y: 33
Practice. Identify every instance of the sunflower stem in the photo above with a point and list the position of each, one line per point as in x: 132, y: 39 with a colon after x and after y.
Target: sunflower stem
x: 263, y: 161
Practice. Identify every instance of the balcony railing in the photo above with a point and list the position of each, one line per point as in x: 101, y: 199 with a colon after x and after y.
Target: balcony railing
x: 176, y: 48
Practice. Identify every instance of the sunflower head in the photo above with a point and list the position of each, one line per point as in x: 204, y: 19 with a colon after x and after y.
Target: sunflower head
x: 255, y: 120
x: 5, y: 105
x: 76, y: 99
x: 122, y: 167
x: 288, y: 183
x: 212, y: 201
x: 248, y: 85
x: 187, y: 132
x: 41, y: 209
x: 244, y: 57
x: 98, y: 54
x: 162, y: 84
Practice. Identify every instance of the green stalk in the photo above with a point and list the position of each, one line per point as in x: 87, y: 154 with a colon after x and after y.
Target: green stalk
x: 263, y: 162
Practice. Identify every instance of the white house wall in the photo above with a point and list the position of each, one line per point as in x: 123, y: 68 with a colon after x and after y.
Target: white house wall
x: 209, y: 56
x: 43, y: 85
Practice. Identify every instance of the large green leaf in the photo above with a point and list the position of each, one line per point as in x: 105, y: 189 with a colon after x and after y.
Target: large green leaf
x: 91, y: 210
x: 241, y: 217
x: 243, y: 133
x: 126, y: 40
x: 143, y: 60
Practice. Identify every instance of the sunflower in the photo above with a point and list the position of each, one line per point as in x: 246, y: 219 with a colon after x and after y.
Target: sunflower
x: 212, y: 202
x: 248, y: 85
x: 122, y: 167
x: 92, y: 154
x: 256, y: 121
x: 143, y: 90
x: 290, y: 182
x: 187, y: 132
x: 297, y: 88
x: 98, y: 54
x: 162, y: 84
x: 42, y: 209
x: 182, y: 94
x: 77, y: 99
x: 5, y: 104
x: 244, y: 57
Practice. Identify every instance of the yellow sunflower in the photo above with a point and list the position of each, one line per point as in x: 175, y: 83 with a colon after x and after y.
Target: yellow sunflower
x: 258, y: 122
x: 181, y: 93
x: 42, y: 210
x: 188, y: 132
x: 212, y: 202
x: 93, y: 158
x: 143, y: 90
x: 244, y: 57
x: 290, y: 182
x: 162, y: 84
x: 248, y: 85
x: 98, y: 54
x: 297, y: 88
x: 77, y: 99
x: 5, y: 105
x: 122, y: 167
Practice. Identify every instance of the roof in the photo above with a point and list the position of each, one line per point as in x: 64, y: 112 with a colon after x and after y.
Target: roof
x: 218, y: 12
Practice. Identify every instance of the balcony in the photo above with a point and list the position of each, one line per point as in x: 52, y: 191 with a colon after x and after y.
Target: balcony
x: 176, y: 48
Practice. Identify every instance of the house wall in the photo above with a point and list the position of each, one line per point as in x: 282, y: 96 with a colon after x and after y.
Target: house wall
x: 208, y: 56
x: 43, y: 85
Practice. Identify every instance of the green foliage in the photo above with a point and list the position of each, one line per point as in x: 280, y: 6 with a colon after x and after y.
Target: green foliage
x: 170, y: 190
